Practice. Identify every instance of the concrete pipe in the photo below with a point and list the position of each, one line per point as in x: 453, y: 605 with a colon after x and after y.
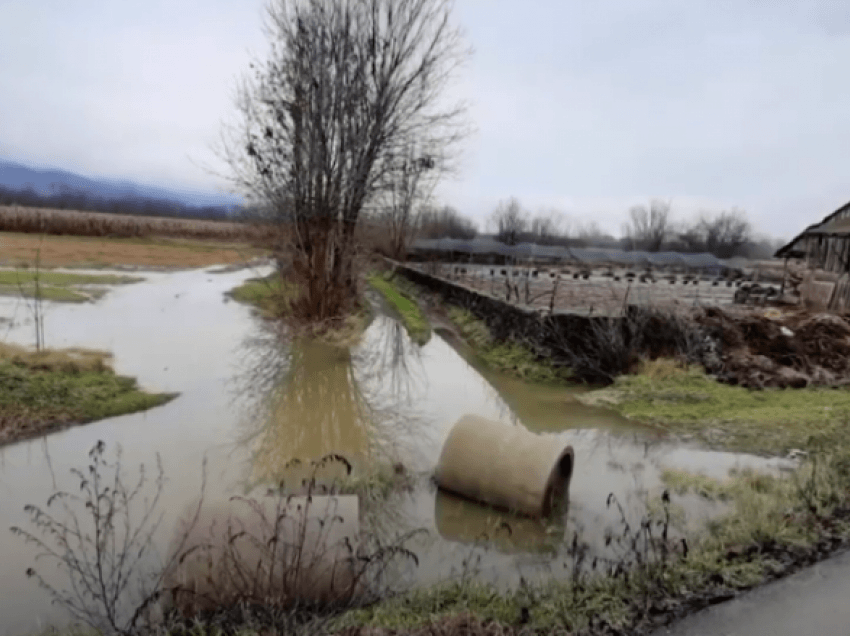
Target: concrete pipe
x: 505, y: 466
x: 463, y: 521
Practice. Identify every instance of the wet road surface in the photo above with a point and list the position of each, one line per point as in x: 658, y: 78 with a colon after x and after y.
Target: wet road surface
x: 813, y: 602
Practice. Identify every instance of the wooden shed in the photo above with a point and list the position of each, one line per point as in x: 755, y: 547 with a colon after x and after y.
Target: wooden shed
x: 825, y: 246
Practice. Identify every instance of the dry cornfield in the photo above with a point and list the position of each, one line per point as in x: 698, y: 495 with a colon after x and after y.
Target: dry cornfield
x: 75, y: 223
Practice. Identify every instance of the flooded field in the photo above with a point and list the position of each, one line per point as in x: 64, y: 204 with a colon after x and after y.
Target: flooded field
x: 249, y: 406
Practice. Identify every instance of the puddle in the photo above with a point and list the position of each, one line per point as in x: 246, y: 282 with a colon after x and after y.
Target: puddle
x: 250, y: 409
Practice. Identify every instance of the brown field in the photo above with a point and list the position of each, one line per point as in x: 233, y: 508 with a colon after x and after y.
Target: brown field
x: 71, y: 222
x: 23, y: 250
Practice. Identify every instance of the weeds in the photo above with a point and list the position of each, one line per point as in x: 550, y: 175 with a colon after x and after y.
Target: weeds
x: 268, y: 563
x: 100, y: 545
x: 653, y: 574
x: 508, y: 357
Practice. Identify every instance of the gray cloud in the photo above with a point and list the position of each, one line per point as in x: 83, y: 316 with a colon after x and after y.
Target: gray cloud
x: 590, y: 106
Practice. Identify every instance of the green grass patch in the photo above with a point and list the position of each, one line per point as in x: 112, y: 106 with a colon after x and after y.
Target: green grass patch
x: 509, y: 357
x: 404, y: 303
x: 58, y: 286
x: 42, y: 391
x: 688, y: 402
x: 62, y: 279
x: 271, y: 295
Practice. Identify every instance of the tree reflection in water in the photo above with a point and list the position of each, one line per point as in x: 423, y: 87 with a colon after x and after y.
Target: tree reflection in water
x: 306, y: 399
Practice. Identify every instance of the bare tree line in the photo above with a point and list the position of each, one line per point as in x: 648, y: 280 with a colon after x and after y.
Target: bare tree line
x: 650, y: 228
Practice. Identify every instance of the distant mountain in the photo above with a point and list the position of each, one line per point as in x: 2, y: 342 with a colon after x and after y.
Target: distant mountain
x: 17, y: 176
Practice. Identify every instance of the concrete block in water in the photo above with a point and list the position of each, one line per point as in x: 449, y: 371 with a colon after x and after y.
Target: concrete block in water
x: 505, y: 466
x: 274, y: 550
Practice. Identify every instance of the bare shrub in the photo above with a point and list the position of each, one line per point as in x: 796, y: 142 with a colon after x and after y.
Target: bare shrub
x: 101, y: 540
x: 613, y: 346
x: 285, y: 557
x: 267, y: 561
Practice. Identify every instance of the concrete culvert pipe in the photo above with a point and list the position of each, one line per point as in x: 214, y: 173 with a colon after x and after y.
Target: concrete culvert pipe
x: 505, y: 466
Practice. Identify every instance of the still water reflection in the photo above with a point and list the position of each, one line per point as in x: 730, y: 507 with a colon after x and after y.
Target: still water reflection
x: 250, y: 404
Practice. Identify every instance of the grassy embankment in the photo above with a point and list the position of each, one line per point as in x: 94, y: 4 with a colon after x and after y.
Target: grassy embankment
x: 688, y: 403
x: 511, y: 357
x: 402, y: 299
x: 47, y: 390
x: 507, y: 357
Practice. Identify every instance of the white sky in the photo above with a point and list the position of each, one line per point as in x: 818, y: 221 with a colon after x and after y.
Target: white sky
x: 581, y: 105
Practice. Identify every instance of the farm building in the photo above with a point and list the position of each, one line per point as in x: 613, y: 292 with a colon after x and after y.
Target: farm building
x: 488, y: 250
x: 825, y: 249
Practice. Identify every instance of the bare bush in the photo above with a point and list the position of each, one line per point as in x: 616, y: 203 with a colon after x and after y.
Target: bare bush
x: 101, y: 541
x: 613, y: 346
x: 445, y: 222
x: 268, y: 561
x: 724, y: 234
x: 286, y: 555
x: 648, y: 227
x: 509, y: 221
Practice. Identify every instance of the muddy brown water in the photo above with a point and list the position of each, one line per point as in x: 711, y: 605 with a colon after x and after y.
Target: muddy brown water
x: 249, y: 406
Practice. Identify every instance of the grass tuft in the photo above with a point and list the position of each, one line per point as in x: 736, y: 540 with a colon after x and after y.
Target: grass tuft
x: 271, y: 295
x: 403, y: 302
x: 509, y: 357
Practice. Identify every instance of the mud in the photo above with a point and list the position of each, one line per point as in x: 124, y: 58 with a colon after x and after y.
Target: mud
x: 779, y: 347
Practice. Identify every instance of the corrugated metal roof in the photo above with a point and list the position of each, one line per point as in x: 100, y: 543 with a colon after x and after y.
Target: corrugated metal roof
x: 834, y: 227
x: 587, y: 255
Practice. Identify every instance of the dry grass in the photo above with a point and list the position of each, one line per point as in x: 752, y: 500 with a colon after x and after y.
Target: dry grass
x: 22, y: 250
x: 662, y: 368
x: 74, y: 360
x: 75, y: 223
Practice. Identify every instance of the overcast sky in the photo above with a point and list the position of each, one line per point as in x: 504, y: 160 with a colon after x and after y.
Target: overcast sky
x: 588, y: 106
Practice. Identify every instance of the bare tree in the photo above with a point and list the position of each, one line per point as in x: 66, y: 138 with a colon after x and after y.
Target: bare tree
x: 509, y: 220
x: 723, y: 234
x: 546, y: 227
x: 413, y: 177
x: 445, y: 222
x: 648, y: 227
x: 348, y: 87
x: 726, y: 232
x: 590, y: 234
